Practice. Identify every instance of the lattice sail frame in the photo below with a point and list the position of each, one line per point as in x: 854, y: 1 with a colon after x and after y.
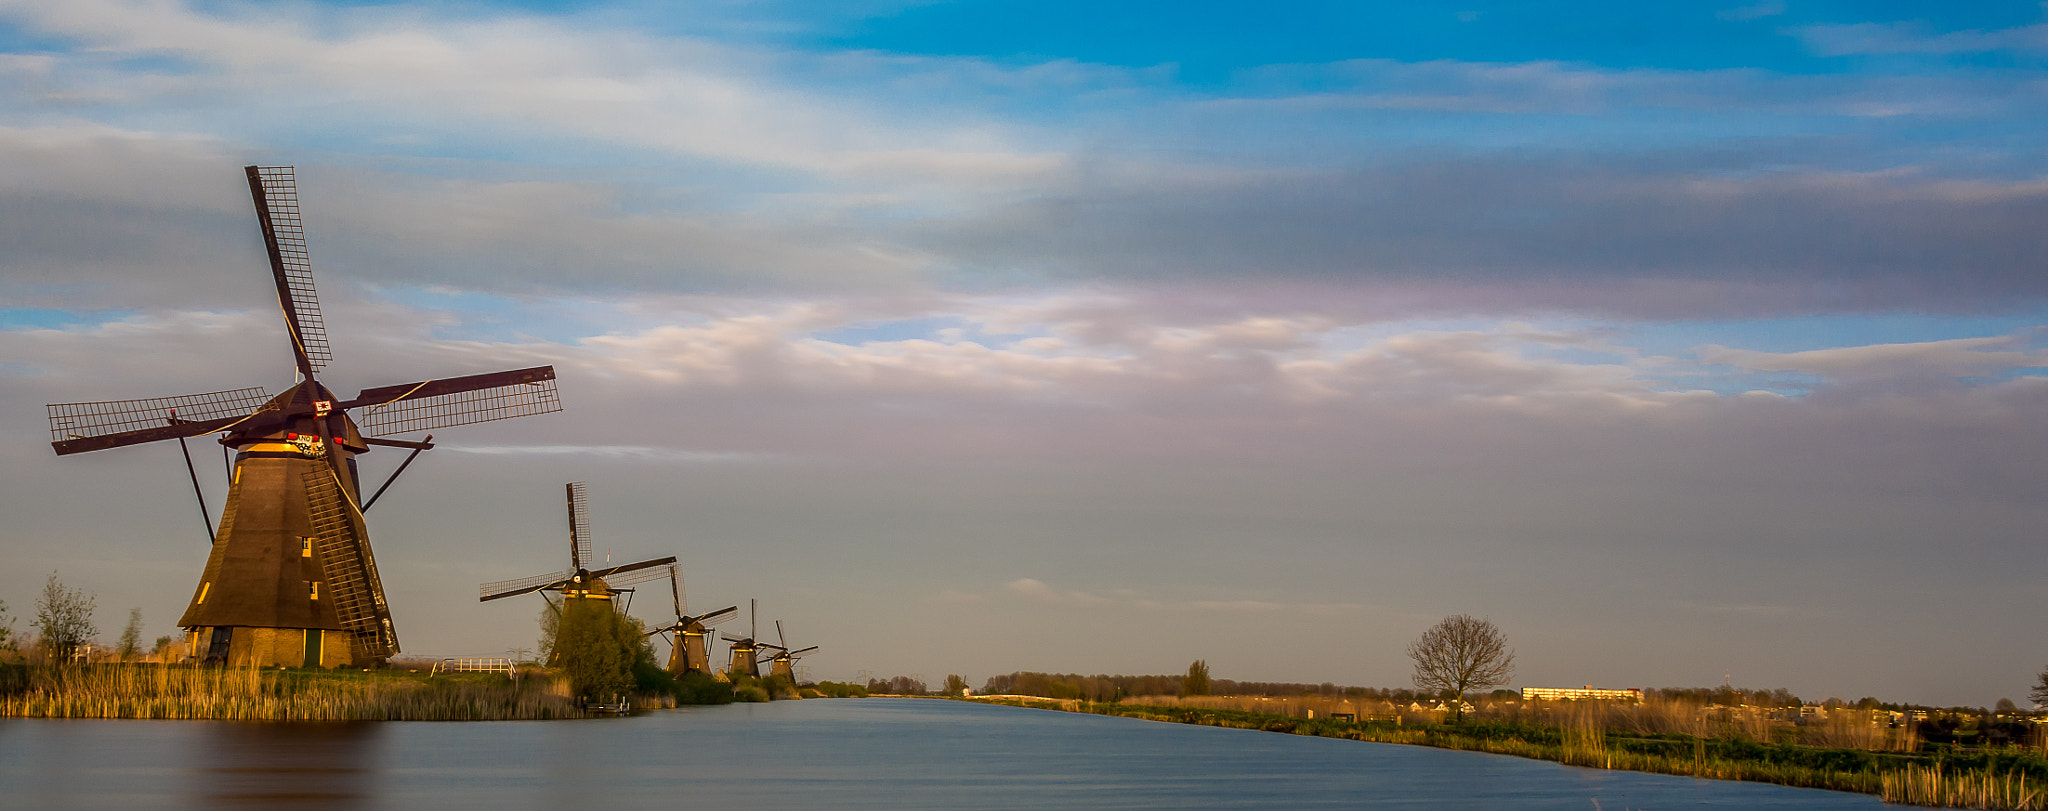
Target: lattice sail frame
x: 459, y: 408
x: 516, y: 584
x: 82, y: 420
x: 579, y: 524
x: 281, y: 195
x: 636, y: 577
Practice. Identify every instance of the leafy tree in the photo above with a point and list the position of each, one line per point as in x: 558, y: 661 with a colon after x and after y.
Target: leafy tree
x: 2039, y: 695
x: 1459, y: 654
x: 597, y: 647
x: 2005, y: 706
x: 63, y: 619
x: 1197, y: 681
x: 955, y: 684
x: 131, y: 636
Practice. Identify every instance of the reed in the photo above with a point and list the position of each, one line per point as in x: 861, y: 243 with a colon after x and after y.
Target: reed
x: 1936, y: 786
x: 248, y: 694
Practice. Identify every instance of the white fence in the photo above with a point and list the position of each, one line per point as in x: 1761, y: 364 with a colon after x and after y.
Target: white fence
x: 475, y: 666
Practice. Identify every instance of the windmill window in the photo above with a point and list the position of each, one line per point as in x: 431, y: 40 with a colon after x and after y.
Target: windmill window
x: 313, y: 589
x: 306, y: 550
x: 204, y: 586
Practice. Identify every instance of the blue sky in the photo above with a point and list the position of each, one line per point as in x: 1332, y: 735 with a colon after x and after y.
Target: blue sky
x: 1716, y: 325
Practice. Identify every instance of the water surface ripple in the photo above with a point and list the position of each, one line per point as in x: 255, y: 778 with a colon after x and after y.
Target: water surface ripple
x: 818, y: 755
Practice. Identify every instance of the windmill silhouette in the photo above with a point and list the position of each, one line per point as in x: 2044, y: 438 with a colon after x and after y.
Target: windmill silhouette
x: 579, y: 581
x: 291, y: 579
x: 689, y: 649
x: 784, y: 662
x: 744, y: 649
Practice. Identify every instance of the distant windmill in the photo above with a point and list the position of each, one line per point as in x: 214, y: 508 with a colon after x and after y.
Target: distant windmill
x: 689, y: 650
x: 744, y: 649
x: 579, y: 581
x: 784, y: 663
x: 291, y: 580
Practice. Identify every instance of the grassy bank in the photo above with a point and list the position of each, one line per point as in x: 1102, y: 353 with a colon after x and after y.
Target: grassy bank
x: 2009, y: 779
x: 246, y: 694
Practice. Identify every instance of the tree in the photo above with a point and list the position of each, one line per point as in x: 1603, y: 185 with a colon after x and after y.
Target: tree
x: 131, y: 636
x: 1196, y: 683
x: 1460, y: 654
x: 63, y: 619
x: 2039, y: 695
x: 6, y: 628
x: 955, y: 685
x: 595, y: 646
x: 2006, y: 707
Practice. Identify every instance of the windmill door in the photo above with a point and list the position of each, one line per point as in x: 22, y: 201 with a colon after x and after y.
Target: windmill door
x: 217, y: 648
x: 313, y: 640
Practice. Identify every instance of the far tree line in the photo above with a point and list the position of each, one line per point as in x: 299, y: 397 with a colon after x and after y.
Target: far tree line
x: 1462, y: 656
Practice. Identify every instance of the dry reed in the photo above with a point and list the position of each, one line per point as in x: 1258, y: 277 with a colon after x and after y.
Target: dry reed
x: 1932, y: 785
x: 175, y: 692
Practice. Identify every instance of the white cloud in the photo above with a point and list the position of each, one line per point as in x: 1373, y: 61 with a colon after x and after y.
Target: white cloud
x: 1947, y: 359
x: 635, y: 453
x: 677, y: 94
x: 1914, y: 37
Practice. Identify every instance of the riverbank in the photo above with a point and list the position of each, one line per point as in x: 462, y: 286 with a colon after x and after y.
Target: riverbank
x: 1990, y: 780
x: 173, y: 692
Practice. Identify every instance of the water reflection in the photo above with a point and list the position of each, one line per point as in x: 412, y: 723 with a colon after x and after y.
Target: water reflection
x: 310, y: 766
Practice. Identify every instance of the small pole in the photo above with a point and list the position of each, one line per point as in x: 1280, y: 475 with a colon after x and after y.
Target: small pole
x: 204, y: 516
x: 401, y: 469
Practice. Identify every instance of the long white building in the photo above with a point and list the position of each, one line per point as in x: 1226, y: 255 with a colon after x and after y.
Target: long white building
x: 1588, y: 692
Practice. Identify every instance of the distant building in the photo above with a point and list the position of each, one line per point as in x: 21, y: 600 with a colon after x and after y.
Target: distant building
x: 1588, y: 692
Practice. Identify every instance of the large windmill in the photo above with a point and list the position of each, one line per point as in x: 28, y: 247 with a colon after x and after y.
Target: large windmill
x: 784, y: 663
x: 579, y: 581
x: 689, y: 649
x: 291, y: 580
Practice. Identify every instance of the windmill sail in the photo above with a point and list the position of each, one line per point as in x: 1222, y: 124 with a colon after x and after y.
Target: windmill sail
x: 523, y: 585
x: 276, y: 193
x: 579, y: 525
x: 349, y: 568
x: 76, y: 427
x: 434, y: 404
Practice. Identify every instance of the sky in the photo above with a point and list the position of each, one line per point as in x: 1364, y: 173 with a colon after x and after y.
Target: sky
x: 1687, y: 342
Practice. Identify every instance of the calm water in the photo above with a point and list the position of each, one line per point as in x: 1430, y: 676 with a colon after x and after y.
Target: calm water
x: 817, y: 755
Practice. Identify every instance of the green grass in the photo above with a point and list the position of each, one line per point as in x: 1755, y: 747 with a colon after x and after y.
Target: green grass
x: 2003, y: 779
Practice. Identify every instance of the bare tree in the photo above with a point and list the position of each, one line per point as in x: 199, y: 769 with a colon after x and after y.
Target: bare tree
x: 64, y: 619
x: 2039, y: 695
x: 1459, y: 654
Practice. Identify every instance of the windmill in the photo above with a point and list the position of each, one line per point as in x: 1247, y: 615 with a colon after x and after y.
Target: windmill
x: 784, y: 663
x: 579, y: 581
x: 689, y: 649
x: 291, y: 579
x: 743, y: 650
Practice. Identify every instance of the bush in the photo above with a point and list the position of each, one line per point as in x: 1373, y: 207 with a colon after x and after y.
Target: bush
x: 833, y: 689
x: 748, y: 688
